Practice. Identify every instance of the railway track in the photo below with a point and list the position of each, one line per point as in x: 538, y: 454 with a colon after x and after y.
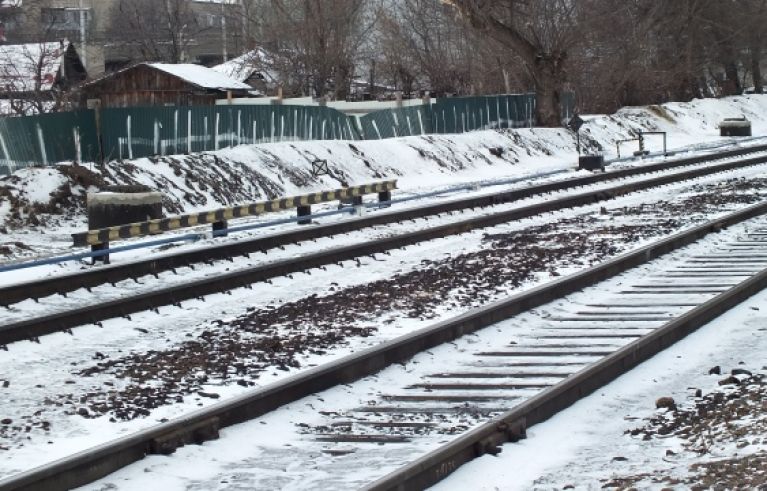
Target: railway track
x: 33, y: 328
x: 477, y: 380
x: 59, y: 285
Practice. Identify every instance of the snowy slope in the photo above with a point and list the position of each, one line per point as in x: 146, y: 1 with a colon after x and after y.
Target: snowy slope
x: 55, y: 197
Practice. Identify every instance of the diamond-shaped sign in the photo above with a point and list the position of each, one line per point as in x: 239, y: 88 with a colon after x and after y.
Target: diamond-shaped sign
x: 320, y: 168
x: 575, y: 123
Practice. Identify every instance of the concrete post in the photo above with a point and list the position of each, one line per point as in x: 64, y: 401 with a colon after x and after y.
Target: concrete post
x: 123, y: 205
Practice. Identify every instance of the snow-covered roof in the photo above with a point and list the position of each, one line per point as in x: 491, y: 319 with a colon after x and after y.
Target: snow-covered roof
x: 201, y: 76
x: 20, y: 65
x: 361, y: 82
x: 244, y: 66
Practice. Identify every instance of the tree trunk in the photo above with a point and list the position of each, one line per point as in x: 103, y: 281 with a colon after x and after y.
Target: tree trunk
x: 342, y: 81
x: 732, y: 84
x: 549, y: 78
x: 756, y: 71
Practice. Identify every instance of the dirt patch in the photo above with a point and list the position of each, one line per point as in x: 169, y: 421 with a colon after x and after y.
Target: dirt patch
x: 661, y: 112
x: 82, y: 176
x: 731, y: 420
x: 63, y: 203
x: 200, y: 180
x: 12, y: 248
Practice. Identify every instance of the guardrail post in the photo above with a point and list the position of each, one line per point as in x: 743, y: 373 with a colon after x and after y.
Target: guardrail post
x: 384, y: 197
x: 100, y: 247
x: 217, y: 226
x: 303, y: 211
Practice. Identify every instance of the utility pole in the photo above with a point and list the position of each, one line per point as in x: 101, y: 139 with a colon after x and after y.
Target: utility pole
x: 83, y: 34
x: 223, y: 32
x: 244, y: 26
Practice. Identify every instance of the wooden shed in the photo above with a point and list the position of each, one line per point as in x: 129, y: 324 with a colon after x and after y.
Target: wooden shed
x: 162, y: 84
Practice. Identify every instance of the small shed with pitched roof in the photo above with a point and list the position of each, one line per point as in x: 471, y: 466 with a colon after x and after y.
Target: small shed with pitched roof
x: 164, y: 84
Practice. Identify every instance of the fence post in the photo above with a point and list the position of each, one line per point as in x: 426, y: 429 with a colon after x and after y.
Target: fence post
x: 95, y: 106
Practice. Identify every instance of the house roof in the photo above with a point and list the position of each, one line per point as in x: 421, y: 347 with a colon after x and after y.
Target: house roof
x: 201, y: 76
x: 361, y: 82
x: 244, y: 66
x: 20, y: 64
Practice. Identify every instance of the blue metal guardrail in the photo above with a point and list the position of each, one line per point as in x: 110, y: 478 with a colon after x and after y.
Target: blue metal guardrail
x: 218, y: 217
x: 193, y: 237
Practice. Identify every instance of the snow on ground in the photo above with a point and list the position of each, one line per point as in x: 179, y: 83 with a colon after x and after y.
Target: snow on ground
x: 254, y: 172
x: 49, y: 305
x: 274, y: 452
x: 43, y: 378
x: 590, y: 445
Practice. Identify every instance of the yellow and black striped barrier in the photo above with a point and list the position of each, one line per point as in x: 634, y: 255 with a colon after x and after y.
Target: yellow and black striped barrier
x: 217, y: 218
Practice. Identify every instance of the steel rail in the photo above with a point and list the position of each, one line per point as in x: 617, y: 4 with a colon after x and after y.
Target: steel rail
x: 111, y: 274
x: 202, y: 425
x: 512, y: 425
x: 123, y: 307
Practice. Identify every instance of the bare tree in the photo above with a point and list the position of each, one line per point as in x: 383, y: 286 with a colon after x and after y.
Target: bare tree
x: 316, y: 45
x: 738, y: 30
x: 753, y: 16
x: 621, y: 59
x: 540, y: 33
x: 157, y: 30
x: 40, y: 76
x: 423, y: 42
x: 646, y: 52
x: 31, y: 79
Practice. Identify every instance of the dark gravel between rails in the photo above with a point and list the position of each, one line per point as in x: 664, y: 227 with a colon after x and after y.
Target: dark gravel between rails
x: 277, y: 337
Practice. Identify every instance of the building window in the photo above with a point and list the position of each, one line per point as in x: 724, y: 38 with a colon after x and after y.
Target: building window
x: 64, y: 19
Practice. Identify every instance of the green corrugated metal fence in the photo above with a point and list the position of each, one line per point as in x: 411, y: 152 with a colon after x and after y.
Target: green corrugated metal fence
x: 390, y: 123
x: 461, y: 114
x: 146, y: 131
x: 47, y: 139
x: 458, y: 115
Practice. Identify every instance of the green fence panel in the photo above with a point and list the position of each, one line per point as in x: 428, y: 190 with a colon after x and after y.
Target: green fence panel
x: 391, y: 123
x: 462, y: 114
x: 47, y: 139
x: 145, y: 131
x: 567, y: 105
